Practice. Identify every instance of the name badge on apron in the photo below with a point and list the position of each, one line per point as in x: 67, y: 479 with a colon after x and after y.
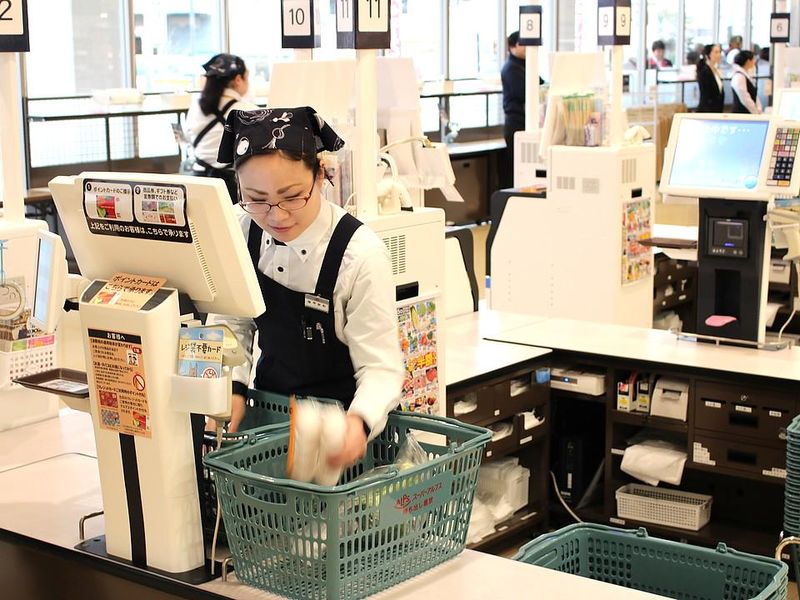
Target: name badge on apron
x: 318, y: 303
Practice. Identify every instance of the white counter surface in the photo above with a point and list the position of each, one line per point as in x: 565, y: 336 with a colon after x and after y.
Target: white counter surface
x: 467, y: 355
x: 652, y: 345
x: 44, y: 500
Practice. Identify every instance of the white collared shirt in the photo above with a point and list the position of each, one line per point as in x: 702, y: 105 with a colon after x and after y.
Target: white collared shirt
x: 739, y: 86
x: 196, y: 121
x: 363, y: 301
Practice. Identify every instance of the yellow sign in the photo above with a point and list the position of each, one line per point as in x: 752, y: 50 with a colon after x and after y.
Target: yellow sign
x: 127, y: 291
x: 118, y: 369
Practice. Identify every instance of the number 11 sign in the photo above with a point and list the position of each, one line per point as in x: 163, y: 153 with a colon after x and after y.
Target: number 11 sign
x: 363, y: 24
x: 14, y: 26
x: 613, y: 22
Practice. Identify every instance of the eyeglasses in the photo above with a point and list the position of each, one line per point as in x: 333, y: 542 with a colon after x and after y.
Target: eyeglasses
x: 288, y: 204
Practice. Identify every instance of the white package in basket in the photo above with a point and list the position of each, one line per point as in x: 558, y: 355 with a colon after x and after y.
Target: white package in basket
x: 19, y: 406
x: 672, y: 508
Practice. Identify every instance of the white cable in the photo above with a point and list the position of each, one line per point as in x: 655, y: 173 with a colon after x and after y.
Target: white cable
x: 420, y: 138
x: 794, y: 299
x: 219, y: 510
x: 789, y: 320
x: 560, y: 499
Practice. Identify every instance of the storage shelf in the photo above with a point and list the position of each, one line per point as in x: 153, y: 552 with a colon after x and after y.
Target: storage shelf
x: 555, y: 392
x: 735, y: 535
x: 519, y: 522
x: 643, y: 420
x: 733, y: 473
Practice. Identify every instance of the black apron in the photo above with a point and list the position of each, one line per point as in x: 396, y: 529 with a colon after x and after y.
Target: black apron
x: 228, y: 175
x: 300, y: 353
x: 738, y: 105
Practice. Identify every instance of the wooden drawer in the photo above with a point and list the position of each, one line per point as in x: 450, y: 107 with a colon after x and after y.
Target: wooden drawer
x: 738, y: 456
x: 762, y: 415
x: 526, y: 437
x: 483, y: 398
x: 519, y: 394
x: 503, y: 446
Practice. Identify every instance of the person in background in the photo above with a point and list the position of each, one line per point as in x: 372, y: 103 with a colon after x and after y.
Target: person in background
x: 734, y: 47
x: 657, y: 60
x: 709, y: 80
x: 513, y: 77
x: 330, y: 326
x: 225, y: 86
x: 745, y: 91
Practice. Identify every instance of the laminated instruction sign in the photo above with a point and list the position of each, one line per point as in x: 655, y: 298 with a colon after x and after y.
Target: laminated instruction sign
x: 128, y: 291
x: 119, y: 381
x: 150, y: 211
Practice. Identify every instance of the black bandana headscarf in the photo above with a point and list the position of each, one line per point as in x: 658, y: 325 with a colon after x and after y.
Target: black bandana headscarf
x: 297, y: 130
x: 224, y: 65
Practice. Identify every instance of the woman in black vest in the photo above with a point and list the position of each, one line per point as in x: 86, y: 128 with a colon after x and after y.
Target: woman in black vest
x: 224, y: 89
x: 330, y: 328
x: 745, y: 91
x: 712, y: 95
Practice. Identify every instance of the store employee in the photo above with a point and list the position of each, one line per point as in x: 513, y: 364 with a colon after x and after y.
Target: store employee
x: 227, y: 82
x: 330, y: 328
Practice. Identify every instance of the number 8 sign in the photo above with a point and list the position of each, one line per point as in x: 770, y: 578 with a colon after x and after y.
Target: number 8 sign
x: 530, y: 25
x: 614, y: 22
x: 14, y: 26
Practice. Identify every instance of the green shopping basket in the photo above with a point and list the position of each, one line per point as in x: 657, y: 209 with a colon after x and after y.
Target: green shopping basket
x: 630, y: 558
x: 352, y: 540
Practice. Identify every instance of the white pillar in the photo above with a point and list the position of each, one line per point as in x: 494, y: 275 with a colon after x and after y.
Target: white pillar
x: 778, y: 67
x: 616, y: 114
x: 12, y: 192
x: 531, y: 88
x: 301, y: 54
x: 366, y: 147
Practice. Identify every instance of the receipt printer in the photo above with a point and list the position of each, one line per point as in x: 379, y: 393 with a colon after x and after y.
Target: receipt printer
x: 670, y: 399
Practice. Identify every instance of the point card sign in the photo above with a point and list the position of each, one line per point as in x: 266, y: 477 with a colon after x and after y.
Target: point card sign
x: 613, y: 22
x: 300, y: 26
x: 779, y: 28
x: 530, y: 25
x: 363, y: 24
x: 14, y: 26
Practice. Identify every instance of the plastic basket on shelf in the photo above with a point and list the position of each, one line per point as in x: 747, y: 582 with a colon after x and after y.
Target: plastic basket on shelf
x: 632, y: 559
x: 791, y: 508
x: 672, y: 508
x: 359, y: 537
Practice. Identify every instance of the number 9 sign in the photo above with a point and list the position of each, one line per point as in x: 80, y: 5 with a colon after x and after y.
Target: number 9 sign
x: 613, y: 22
x: 14, y: 26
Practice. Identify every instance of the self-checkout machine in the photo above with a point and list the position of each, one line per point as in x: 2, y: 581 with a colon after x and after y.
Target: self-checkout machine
x: 738, y: 166
x: 574, y: 252
x: 32, y: 260
x: 155, y: 248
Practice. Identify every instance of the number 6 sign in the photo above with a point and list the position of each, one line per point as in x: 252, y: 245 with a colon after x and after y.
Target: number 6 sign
x: 613, y: 22
x: 779, y: 28
x: 14, y: 26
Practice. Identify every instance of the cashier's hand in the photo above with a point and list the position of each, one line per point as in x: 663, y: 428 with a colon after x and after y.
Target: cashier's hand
x: 355, y: 443
x: 237, y: 414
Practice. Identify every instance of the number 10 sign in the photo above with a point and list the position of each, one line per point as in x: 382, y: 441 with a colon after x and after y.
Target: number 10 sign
x: 14, y: 26
x: 613, y: 22
x: 300, y: 24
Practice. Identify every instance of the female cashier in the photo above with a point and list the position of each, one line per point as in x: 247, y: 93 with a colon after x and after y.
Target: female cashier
x: 330, y: 328
x: 709, y: 80
x: 745, y: 91
x: 226, y: 84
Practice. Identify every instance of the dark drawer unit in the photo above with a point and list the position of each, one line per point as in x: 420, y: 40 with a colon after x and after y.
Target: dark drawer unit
x: 483, y: 399
x: 758, y: 414
x: 525, y: 437
x: 739, y: 457
x: 502, y: 447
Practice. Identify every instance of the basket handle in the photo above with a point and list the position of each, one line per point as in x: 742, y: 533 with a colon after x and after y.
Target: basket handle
x: 305, y: 487
x: 444, y: 423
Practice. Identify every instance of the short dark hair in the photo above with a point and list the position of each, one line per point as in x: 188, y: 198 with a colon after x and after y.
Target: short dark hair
x: 658, y: 45
x: 513, y: 39
x: 743, y: 56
